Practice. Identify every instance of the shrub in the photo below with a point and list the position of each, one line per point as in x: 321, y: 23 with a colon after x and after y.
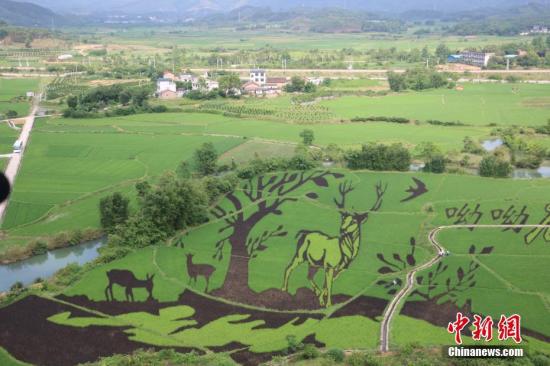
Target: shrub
x: 159, y: 109
x: 39, y: 247
x: 491, y: 166
x: 362, y: 359
x: 436, y: 122
x: 472, y: 147
x: 206, y: 159
x: 67, y: 275
x: 293, y: 345
x: 381, y: 119
x: 17, y: 287
x: 109, y: 253
x: 307, y: 137
x: 114, y: 210
x: 435, y: 165
x: 379, y: 157
x: 299, y: 162
x: 310, y: 352
x: 11, y: 114
x: 335, y: 354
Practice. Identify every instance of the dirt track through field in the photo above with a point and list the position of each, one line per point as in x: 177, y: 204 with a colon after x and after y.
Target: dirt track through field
x: 432, y: 237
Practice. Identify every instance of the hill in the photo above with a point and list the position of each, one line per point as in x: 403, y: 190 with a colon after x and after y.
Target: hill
x: 190, y: 6
x: 28, y: 14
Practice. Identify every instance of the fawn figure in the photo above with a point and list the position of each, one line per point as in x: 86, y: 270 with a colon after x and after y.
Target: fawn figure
x: 196, y: 270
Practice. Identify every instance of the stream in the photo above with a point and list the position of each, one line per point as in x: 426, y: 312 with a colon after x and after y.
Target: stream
x: 45, y: 265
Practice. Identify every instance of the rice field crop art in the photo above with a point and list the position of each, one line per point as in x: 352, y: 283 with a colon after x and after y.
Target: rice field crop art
x: 311, y: 257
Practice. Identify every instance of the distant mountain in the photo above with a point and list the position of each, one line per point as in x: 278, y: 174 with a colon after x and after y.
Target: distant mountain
x: 191, y: 6
x: 28, y: 15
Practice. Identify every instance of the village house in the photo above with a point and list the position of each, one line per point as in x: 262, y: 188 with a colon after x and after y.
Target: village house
x: 260, y: 84
x: 251, y: 88
x: 167, y: 89
x: 170, y: 76
x: 315, y: 80
x: 258, y: 76
x: 167, y: 85
x: 276, y: 83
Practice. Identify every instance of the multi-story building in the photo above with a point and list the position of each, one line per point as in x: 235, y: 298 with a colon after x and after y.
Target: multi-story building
x: 480, y: 59
x: 258, y: 76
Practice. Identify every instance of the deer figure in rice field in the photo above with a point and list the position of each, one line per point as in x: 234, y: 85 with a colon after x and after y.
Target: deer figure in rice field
x: 195, y: 270
x: 128, y: 280
x: 333, y: 254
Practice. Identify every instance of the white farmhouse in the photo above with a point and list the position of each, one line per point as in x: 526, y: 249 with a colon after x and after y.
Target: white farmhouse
x: 166, y: 89
x: 258, y: 76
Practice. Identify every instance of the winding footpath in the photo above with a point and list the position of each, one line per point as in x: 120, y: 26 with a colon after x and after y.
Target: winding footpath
x: 16, y: 158
x: 402, y: 294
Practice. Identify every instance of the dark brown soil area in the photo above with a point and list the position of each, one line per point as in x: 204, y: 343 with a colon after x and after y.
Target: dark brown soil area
x: 26, y: 334
x: 370, y: 307
x: 434, y: 313
x: 304, y: 299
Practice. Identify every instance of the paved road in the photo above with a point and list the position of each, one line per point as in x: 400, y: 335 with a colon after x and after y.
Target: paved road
x: 432, y: 237
x: 15, y: 161
x: 373, y: 71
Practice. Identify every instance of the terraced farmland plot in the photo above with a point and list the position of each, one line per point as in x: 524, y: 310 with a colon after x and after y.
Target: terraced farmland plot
x: 477, y: 104
x: 267, y: 275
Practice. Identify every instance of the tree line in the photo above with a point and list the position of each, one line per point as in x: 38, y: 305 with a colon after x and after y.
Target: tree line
x: 113, y: 100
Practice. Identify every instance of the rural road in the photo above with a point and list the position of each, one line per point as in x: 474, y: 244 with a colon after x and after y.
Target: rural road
x: 371, y: 71
x: 432, y: 237
x: 15, y: 161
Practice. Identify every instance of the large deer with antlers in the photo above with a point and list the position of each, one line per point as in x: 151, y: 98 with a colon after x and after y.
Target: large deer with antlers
x: 332, y: 253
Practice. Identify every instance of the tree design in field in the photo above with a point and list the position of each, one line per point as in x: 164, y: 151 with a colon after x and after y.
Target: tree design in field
x: 333, y: 254
x: 396, y: 264
x: 441, y: 289
x: 261, y: 196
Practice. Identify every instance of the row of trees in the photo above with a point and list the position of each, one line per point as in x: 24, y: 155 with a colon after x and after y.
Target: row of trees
x: 417, y: 79
x: 299, y: 85
x: 115, y: 99
x: 379, y: 157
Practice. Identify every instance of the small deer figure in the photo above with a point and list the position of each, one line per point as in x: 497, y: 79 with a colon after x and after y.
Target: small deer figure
x: 196, y: 270
x: 332, y: 253
x: 128, y: 280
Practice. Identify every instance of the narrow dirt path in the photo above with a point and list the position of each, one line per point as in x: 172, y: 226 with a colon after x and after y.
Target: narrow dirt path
x: 432, y: 237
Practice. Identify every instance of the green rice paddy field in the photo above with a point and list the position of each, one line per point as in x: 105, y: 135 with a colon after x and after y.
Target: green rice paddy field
x: 477, y: 104
x: 197, y: 39
x: 114, y: 152
x: 7, y: 138
x: 65, y: 174
x: 70, y: 163
x: 511, y: 278
x: 10, y: 89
